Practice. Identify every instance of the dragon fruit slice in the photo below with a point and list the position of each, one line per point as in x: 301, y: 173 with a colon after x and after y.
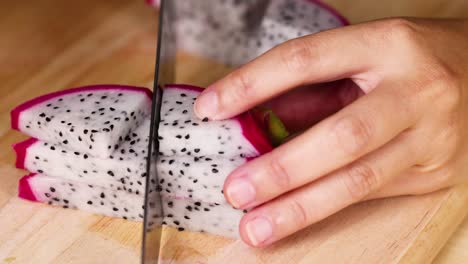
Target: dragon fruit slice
x: 235, y: 32
x: 86, y: 119
x: 182, y: 133
x: 87, y: 197
x: 124, y: 170
x: 181, y: 213
x: 197, y: 216
x: 196, y: 178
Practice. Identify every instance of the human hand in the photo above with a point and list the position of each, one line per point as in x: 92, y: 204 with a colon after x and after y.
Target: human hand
x: 405, y: 134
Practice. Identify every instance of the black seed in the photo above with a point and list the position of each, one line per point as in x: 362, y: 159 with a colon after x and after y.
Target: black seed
x: 103, y: 195
x: 76, y: 153
x: 206, y: 209
x: 197, y: 203
x: 205, y: 119
x: 186, y: 217
x: 115, y: 209
x: 40, y: 171
x: 187, y: 136
x: 85, y: 131
x: 47, y: 194
x: 176, y: 222
x: 189, y: 208
x: 90, y: 202
x: 214, y: 170
x: 110, y: 173
x: 221, y: 152
x: 65, y: 201
x: 52, y: 189
x: 65, y: 142
x: 180, y: 229
x: 178, y: 102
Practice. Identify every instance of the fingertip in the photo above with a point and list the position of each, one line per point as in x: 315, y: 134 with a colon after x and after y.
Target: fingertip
x: 256, y: 230
x: 207, y: 104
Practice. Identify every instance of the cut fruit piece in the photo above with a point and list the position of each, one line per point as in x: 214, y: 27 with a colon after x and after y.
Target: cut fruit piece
x: 213, y: 218
x: 124, y: 170
x: 86, y: 197
x: 182, y: 133
x: 87, y: 119
x: 196, y: 178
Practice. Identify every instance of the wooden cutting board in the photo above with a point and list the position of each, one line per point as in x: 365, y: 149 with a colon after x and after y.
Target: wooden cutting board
x: 51, y: 44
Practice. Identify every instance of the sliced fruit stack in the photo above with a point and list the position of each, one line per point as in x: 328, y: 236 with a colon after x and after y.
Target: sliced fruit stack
x: 89, y: 146
x: 82, y: 152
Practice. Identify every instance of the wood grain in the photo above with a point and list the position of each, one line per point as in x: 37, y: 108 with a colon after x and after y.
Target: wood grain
x: 50, y: 45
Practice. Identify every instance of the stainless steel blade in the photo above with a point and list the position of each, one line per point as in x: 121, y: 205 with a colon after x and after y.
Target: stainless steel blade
x: 164, y: 74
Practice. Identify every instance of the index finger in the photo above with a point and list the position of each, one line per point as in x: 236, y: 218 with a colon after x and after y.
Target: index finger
x: 325, y: 56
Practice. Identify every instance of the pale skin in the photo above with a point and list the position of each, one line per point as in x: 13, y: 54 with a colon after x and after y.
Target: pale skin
x: 396, y: 123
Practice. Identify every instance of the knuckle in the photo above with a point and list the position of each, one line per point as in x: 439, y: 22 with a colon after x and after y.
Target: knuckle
x: 444, y: 176
x: 439, y: 86
x: 446, y: 88
x: 296, y: 55
x: 242, y: 84
x: 399, y: 30
x: 360, y: 180
x: 278, y: 171
x: 299, y: 213
x: 352, y: 135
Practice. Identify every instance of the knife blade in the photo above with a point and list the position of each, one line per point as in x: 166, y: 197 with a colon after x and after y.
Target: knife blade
x: 164, y: 74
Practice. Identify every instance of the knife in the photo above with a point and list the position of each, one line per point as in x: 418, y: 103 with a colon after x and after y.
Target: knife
x: 164, y: 74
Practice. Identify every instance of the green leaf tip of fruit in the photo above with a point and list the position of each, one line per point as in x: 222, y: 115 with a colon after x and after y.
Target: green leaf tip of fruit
x: 272, y: 125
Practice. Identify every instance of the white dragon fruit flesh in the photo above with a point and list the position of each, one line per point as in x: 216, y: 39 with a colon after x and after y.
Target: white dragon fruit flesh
x: 86, y: 119
x: 125, y: 169
x: 83, y: 196
x: 181, y: 213
x: 195, y: 158
x: 234, y: 32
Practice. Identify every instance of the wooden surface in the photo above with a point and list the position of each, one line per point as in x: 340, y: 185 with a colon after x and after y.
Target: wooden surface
x: 51, y: 44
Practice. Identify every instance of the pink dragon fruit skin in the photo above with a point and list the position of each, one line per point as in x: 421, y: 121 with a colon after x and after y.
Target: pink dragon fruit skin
x: 87, y: 119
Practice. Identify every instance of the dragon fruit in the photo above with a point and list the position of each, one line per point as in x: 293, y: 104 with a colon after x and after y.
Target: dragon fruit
x: 125, y: 169
x: 87, y: 119
x: 234, y: 32
x: 195, y: 158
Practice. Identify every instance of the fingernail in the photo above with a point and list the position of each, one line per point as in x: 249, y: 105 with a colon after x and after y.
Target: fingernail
x: 240, y: 192
x: 207, y: 104
x: 259, y: 230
